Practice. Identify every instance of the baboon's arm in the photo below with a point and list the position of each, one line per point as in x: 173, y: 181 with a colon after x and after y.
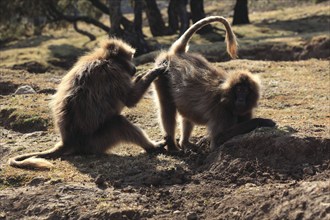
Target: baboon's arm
x: 243, y: 128
x: 140, y: 86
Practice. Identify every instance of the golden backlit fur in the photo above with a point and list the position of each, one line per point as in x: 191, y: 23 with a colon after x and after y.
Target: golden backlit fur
x: 181, y: 45
x: 88, y: 103
x: 203, y: 94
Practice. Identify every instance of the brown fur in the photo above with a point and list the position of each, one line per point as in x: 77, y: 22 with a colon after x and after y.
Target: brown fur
x: 88, y: 103
x: 203, y: 94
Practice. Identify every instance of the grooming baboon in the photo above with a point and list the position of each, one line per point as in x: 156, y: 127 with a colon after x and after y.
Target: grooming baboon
x: 88, y: 103
x: 205, y: 95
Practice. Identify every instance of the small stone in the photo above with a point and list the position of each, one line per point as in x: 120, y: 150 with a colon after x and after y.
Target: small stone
x: 176, y: 212
x: 34, y: 134
x: 37, y: 181
x: 265, y: 208
x: 192, y: 216
x: 285, y: 193
x: 100, y: 180
x: 196, y: 181
x: 153, y: 180
x: 24, y: 90
x: 54, y: 181
x: 308, y: 171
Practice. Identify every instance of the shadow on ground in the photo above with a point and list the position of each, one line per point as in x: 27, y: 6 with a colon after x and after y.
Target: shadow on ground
x: 135, y: 171
x: 33, y: 41
x: 259, y: 157
x: 64, y: 55
x: 309, y: 24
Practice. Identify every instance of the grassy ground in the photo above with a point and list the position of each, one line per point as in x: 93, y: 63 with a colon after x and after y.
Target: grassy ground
x: 277, y: 173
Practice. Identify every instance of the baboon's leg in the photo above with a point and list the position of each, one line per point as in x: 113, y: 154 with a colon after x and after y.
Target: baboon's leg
x: 216, y: 127
x: 168, y: 116
x: 167, y: 113
x: 116, y: 130
x: 186, y: 129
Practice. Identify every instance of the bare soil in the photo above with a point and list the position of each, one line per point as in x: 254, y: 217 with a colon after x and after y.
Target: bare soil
x: 277, y: 173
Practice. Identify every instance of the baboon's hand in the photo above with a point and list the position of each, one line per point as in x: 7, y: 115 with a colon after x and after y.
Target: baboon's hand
x: 265, y: 122
x: 159, y: 149
x: 138, y: 77
x: 162, y: 67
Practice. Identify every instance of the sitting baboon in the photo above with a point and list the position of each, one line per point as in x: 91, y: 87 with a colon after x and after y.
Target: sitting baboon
x: 88, y: 104
x: 205, y: 95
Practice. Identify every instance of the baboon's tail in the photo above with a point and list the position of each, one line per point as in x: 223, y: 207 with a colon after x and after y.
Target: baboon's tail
x: 180, y: 46
x: 29, y: 161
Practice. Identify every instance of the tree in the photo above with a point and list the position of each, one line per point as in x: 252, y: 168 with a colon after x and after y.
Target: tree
x: 38, y: 13
x: 241, y: 13
x: 178, y: 18
x: 197, y: 13
x: 17, y: 19
x: 177, y: 13
x: 120, y: 26
x: 156, y: 23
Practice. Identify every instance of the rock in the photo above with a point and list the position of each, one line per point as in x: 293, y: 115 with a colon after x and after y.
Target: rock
x: 285, y: 193
x: 153, y: 180
x: 24, y: 90
x: 34, y: 134
x: 308, y: 171
x: 37, y: 181
x: 265, y: 208
x: 100, y: 181
x: 192, y: 216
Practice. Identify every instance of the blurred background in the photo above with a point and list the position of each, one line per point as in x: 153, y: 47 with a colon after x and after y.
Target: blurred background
x: 41, y: 35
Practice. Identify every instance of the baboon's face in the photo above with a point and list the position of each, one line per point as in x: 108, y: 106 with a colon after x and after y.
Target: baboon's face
x: 241, y: 97
x: 131, y: 68
x: 127, y: 65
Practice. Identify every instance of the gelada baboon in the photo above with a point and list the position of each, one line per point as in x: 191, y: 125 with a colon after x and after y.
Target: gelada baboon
x: 88, y: 103
x: 205, y: 95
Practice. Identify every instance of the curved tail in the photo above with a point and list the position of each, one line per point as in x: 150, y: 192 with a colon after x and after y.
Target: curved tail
x: 29, y: 161
x: 180, y: 46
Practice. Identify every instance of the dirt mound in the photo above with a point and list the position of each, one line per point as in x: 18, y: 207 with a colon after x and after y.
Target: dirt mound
x: 268, y: 156
x: 317, y: 47
x: 31, y: 67
x: 9, y: 119
x: 305, y: 200
x: 7, y: 87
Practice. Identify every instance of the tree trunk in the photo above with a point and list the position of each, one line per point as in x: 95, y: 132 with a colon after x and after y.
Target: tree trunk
x: 115, y: 17
x: 173, y: 19
x: 138, y: 8
x: 197, y: 13
x: 156, y: 23
x: 77, y: 29
x: 129, y: 33
x: 183, y: 15
x: 241, y: 13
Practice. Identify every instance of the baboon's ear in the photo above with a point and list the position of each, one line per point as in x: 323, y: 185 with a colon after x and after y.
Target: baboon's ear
x: 112, y: 49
